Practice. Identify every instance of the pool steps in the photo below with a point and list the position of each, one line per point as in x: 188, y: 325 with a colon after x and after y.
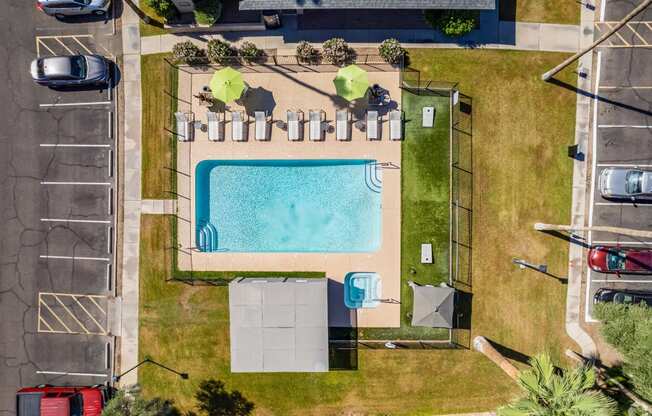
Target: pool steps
x: 372, y: 177
x: 207, y: 237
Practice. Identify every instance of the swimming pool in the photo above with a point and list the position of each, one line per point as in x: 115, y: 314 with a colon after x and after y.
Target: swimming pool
x: 288, y: 205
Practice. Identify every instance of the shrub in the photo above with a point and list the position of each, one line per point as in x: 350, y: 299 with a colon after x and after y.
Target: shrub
x: 337, y: 51
x: 186, y: 51
x: 306, y: 53
x: 629, y: 329
x: 391, y: 51
x: 220, y: 51
x: 249, y: 51
x: 207, y: 12
x: 451, y: 23
x: 163, y: 8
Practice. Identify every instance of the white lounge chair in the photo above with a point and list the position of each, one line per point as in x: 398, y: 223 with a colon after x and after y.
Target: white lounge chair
x: 395, y: 125
x: 295, y: 125
x: 215, y: 127
x: 185, y: 128
x: 238, y: 126
x: 315, y: 120
x: 342, y: 124
x: 261, y: 125
x: 373, y: 130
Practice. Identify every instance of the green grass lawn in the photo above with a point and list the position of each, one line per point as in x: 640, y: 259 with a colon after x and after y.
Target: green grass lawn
x: 151, y: 30
x: 540, y: 11
x: 521, y: 174
x: 187, y: 327
x: 158, y: 145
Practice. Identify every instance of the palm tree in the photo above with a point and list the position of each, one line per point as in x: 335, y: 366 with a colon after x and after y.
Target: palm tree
x: 550, y: 393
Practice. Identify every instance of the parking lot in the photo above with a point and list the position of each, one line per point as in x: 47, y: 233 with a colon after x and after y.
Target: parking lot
x: 622, y: 136
x: 59, y: 198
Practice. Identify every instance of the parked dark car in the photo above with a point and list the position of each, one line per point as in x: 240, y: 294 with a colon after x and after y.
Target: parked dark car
x: 620, y: 260
x: 47, y: 400
x: 70, y: 71
x: 628, y: 297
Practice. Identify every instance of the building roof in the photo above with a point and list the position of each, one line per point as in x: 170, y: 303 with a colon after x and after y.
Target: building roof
x: 366, y: 4
x: 433, y: 306
x: 278, y: 325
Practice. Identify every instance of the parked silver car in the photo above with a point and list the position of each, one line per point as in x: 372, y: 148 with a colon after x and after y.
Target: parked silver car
x: 626, y: 183
x: 63, y: 8
x: 69, y: 71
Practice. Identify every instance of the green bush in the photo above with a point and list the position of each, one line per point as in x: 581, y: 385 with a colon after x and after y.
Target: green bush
x: 249, y: 51
x: 220, y: 51
x: 207, y: 12
x: 452, y: 23
x: 306, y: 53
x: 186, y: 51
x: 337, y: 51
x: 391, y: 51
x: 629, y: 330
x: 163, y: 8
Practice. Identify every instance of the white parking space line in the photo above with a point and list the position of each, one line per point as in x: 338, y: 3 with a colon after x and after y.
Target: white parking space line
x: 66, y: 373
x: 620, y: 281
x: 624, y: 165
x: 622, y: 204
x: 625, y: 87
x: 75, y: 104
x: 45, y: 256
x: 77, y: 183
x: 76, y: 221
x: 624, y: 243
x: 623, y: 126
x: 73, y: 145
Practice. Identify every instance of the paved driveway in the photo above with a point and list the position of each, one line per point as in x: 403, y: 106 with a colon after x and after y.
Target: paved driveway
x: 622, y: 136
x: 56, y: 235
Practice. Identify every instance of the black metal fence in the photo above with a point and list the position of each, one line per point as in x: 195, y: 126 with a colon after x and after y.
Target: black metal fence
x: 281, y: 63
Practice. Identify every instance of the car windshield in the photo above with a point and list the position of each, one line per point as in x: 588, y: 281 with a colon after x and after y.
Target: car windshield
x: 623, y: 298
x: 616, y: 260
x: 634, y: 182
x: 78, y: 66
x: 76, y: 404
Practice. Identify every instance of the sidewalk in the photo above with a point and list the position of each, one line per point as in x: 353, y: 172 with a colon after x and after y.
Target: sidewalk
x: 493, y: 35
x: 132, y: 196
x: 579, y: 199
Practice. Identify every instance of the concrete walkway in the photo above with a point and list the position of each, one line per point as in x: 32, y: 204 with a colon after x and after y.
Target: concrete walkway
x: 579, y: 197
x: 498, y: 35
x: 132, y: 198
x: 158, y: 206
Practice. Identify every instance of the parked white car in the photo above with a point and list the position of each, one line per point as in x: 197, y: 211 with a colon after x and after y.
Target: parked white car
x: 63, y: 8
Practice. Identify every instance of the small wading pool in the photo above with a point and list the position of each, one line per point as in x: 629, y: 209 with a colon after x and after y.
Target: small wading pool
x: 288, y: 205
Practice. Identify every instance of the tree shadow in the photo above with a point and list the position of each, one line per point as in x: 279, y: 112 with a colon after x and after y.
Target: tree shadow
x: 215, y: 400
x: 258, y: 99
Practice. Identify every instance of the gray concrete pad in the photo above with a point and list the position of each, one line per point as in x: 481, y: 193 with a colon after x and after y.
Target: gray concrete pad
x: 624, y: 146
x: 636, y: 72
x: 625, y: 107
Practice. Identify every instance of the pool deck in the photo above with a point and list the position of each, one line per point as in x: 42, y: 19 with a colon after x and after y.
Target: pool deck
x: 276, y: 93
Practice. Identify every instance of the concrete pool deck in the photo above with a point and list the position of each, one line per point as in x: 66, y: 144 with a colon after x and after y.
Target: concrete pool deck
x: 277, y: 92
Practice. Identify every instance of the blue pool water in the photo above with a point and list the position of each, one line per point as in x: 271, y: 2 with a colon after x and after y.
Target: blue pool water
x: 288, y: 205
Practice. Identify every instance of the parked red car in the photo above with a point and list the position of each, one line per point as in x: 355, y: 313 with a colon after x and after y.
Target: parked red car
x: 61, y: 401
x: 625, y: 260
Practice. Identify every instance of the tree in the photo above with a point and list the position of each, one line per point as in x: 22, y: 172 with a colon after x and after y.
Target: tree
x: 123, y: 404
x: 214, y: 400
x: 558, y: 393
x: 629, y: 330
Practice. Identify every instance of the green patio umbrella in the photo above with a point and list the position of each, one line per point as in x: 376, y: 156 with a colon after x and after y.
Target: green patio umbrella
x: 351, y: 82
x: 227, y: 84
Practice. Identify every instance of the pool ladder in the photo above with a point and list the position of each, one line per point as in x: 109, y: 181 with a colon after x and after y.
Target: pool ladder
x: 371, y: 177
x: 207, y: 237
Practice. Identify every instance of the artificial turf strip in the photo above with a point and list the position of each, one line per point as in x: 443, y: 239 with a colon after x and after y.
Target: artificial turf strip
x: 159, y: 85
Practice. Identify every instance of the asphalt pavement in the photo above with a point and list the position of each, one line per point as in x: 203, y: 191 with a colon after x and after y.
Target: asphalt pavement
x: 622, y: 136
x: 57, y: 169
